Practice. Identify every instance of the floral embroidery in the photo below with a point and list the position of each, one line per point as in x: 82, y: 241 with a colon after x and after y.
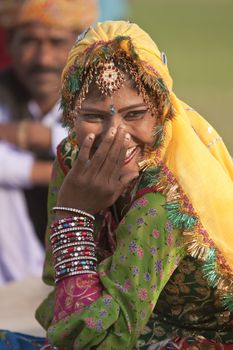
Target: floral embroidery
x: 146, y: 276
x: 170, y: 239
x: 142, y: 294
x: 142, y: 202
x: 169, y: 226
x: 140, y: 221
x: 122, y: 258
x: 133, y: 247
x: 107, y: 300
x: 153, y: 250
x: 155, y: 233
x: 135, y: 270
x: 158, y: 265
x: 140, y: 252
x: 152, y: 212
x: 90, y: 322
x: 129, y: 227
x: 103, y: 313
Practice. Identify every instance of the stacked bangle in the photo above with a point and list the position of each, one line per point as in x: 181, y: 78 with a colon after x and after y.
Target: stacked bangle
x: 73, y: 245
x: 74, y: 210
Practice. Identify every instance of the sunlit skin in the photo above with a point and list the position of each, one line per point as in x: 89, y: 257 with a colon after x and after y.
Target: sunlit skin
x: 105, y: 165
x: 39, y: 53
x: 131, y: 114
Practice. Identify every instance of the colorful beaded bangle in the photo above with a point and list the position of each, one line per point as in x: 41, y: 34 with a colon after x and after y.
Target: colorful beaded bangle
x: 76, y: 258
x: 69, y: 219
x: 73, y: 245
x: 65, y: 253
x: 55, y: 241
x: 75, y: 262
x: 73, y: 239
x: 69, y: 274
x: 70, y: 245
x: 70, y: 229
x: 74, y: 223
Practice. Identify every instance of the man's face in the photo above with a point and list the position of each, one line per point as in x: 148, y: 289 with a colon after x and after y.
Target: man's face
x: 39, y: 54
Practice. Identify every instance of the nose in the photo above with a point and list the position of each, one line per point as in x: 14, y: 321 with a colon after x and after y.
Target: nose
x: 116, y: 121
x: 44, y: 55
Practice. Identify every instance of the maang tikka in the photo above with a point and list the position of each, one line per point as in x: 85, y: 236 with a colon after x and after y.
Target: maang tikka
x: 110, y: 78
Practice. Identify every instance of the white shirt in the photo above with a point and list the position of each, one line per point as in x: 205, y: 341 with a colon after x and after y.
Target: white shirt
x: 21, y: 254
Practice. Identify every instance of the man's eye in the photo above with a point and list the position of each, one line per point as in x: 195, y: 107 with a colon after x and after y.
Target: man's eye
x: 58, y: 42
x: 29, y: 40
x: 134, y: 115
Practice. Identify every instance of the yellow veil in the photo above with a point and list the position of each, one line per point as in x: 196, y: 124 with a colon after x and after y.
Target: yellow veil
x: 197, y: 169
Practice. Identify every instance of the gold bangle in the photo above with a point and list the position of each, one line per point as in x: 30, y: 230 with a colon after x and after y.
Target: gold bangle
x: 22, y: 135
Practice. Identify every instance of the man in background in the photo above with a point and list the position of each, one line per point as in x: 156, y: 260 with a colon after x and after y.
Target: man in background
x: 40, y: 35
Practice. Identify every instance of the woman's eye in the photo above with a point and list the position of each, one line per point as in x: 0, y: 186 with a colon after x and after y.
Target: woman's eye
x: 93, y: 117
x: 134, y: 115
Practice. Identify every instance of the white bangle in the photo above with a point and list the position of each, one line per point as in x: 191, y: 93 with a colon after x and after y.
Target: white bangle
x: 74, y: 210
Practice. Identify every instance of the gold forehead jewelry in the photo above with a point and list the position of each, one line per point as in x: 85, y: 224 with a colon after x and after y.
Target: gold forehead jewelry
x: 110, y: 78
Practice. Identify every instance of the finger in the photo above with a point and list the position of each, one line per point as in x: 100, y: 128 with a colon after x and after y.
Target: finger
x: 117, y: 168
x: 84, y: 153
x: 124, y: 182
x: 116, y: 154
x: 101, y: 153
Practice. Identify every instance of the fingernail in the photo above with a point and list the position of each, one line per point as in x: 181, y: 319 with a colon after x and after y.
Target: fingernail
x: 113, y: 131
x: 127, y: 137
x: 91, y: 137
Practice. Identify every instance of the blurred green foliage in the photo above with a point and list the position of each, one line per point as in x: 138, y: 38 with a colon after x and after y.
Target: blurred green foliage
x: 197, y: 36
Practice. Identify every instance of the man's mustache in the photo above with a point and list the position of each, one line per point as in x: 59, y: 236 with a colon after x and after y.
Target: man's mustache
x: 44, y: 69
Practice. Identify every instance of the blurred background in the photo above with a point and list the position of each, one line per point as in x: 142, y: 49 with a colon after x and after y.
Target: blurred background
x: 197, y: 38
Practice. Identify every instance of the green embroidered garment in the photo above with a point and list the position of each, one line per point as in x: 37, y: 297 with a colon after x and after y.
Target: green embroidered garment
x: 152, y: 290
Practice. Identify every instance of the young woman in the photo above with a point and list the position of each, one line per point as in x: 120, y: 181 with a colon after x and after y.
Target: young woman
x: 139, y: 243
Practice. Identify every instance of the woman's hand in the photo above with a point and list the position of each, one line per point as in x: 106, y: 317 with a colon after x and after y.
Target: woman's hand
x: 96, y: 183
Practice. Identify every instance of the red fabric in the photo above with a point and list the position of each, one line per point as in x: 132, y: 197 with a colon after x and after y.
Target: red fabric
x: 74, y: 293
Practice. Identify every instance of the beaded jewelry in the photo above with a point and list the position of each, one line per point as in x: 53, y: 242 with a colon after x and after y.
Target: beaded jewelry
x: 73, y: 247
x: 74, y: 210
x: 110, y: 78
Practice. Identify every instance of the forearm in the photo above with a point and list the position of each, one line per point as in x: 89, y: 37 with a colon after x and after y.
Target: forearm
x: 41, y: 172
x: 27, y: 135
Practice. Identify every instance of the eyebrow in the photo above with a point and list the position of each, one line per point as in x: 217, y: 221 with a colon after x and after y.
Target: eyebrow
x: 124, y: 109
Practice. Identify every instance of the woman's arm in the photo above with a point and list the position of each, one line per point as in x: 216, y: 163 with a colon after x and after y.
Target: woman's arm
x: 128, y: 284
x: 148, y: 250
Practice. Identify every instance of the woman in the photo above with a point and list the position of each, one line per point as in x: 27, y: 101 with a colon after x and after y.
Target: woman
x: 139, y: 243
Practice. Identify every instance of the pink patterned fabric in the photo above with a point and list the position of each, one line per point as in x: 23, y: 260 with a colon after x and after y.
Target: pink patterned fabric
x: 74, y: 293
